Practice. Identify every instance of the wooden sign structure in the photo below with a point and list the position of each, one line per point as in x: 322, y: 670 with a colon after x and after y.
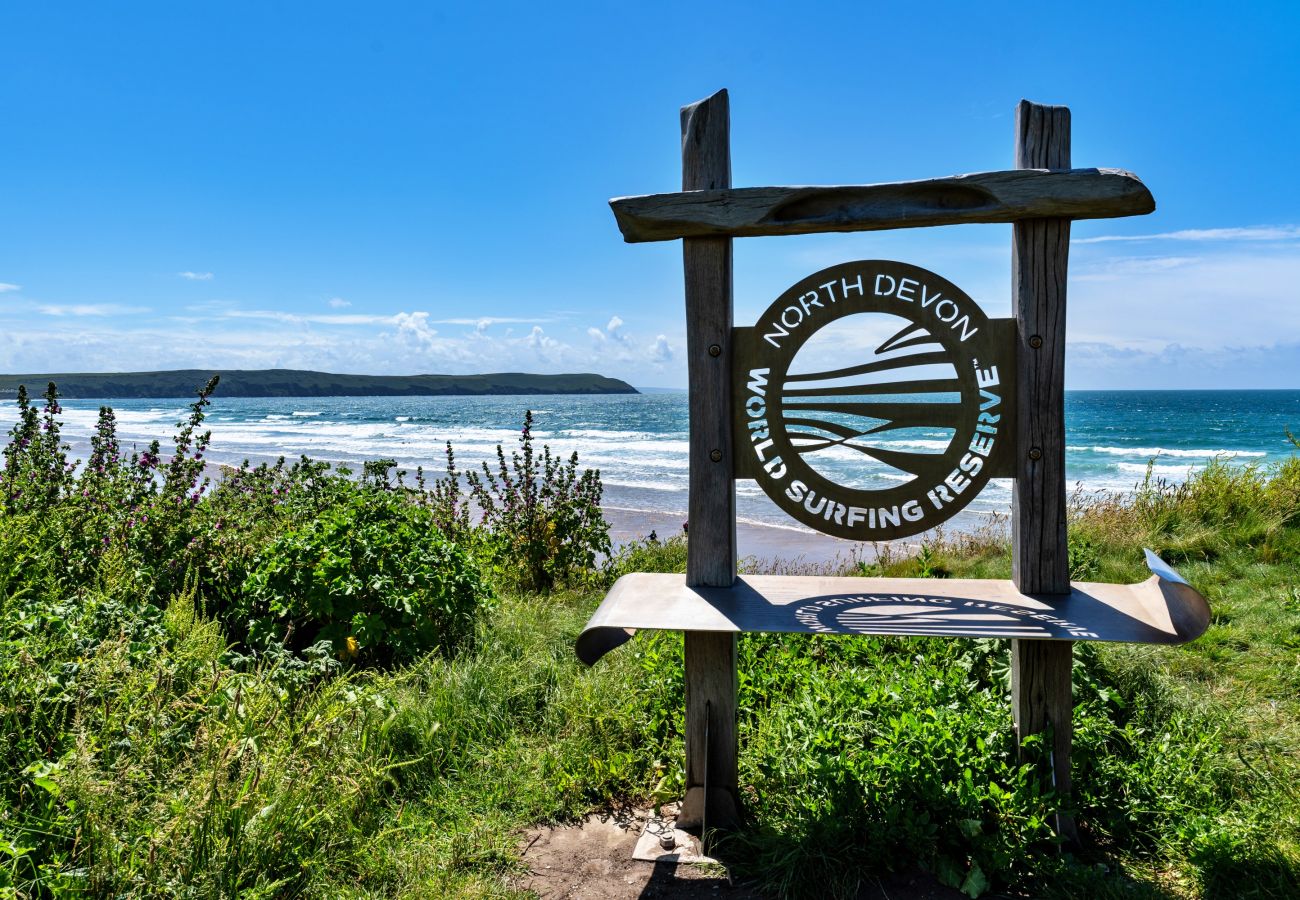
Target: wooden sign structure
x: 761, y: 410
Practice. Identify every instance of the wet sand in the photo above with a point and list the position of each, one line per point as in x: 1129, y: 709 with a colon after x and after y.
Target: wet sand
x: 763, y: 542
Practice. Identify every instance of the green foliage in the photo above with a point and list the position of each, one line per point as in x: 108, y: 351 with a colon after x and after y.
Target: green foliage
x: 372, y: 575
x: 140, y: 762
x: 650, y: 554
x: 865, y: 752
x: 1223, y: 507
x: 544, y: 517
x: 450, y: 507
x: 36, y: 469
x: 927, y: 563
x: 174, y: 715
x: 1084, y: 560
x: 164, y: 732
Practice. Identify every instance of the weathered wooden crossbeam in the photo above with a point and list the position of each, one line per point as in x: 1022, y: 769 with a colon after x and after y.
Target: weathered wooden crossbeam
x: 983, y: 197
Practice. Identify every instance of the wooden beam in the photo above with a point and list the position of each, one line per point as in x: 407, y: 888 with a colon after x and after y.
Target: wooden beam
x: 1040, y: 670
x: 1010, y: 196
x: 711, y: 679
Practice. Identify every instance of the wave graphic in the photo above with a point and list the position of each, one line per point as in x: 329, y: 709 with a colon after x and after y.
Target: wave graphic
x: 908, y: 384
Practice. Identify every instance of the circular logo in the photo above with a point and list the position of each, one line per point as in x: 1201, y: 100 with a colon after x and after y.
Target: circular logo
x: 871, y: 399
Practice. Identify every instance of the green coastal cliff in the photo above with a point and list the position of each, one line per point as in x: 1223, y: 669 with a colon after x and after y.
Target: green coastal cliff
x: 305, y: 383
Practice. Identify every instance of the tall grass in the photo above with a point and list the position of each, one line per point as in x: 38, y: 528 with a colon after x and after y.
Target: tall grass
x: 177, y: 774
x: 143, y: 753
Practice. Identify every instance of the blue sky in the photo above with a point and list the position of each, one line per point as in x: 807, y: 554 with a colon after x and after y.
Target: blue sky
x: 398, y: 188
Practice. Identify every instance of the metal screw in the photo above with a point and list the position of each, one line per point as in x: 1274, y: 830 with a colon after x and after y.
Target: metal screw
x: 1035, y: 341
x: 1035, y: 453
x: 715, y: 455
x: 715, y: 350
x: 667, y: 840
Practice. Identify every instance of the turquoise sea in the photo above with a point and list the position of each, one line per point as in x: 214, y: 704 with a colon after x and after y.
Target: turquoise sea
x: 639, y: 442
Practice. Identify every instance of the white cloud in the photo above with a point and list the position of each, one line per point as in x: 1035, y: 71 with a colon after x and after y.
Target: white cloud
x: 404, y: 344
x: 538, y: 341
x: 414, y: 328
x: 310, y: 318
x: 408, y: 341
x: 339, y: 303
x: 1242, y: 297
x: 1104, y: 366
x: 612, y: 344
x: 661, y: 351
x: 195, y: 276
x: 399, y: 320
x: 5, y: 288
x: 89, y: 309
x: 1113, y: 269
x: 482, y: 322
x: 612, y: 333
x: 1248, y: 233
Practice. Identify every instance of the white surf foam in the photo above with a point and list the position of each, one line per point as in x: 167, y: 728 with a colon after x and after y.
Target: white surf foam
x: 1175, y: 453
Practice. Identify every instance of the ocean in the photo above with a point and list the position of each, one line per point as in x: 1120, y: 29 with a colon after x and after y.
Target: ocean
x: 639, y: 442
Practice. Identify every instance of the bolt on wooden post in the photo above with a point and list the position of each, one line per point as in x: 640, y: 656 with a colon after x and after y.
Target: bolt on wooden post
x: 1040, y: 669
x: 711, y: 678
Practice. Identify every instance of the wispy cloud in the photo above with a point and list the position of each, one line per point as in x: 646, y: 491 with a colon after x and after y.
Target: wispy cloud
x: 274, y: 315
x: 195, y: 276
x: 1235, y: 296
x: 1248, y: 233
x: 358, y: 319
x: 399, y: 344
x: 5, y: 287
x: 484, y: 321
x: 89, y: 309
x: 1110, y: 366
x: 1125, y: 266
x: 333, y: 336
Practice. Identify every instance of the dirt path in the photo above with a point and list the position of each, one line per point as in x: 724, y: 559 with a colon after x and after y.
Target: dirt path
x: 593, y: 861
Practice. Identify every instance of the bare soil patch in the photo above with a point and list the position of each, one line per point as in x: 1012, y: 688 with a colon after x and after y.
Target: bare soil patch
x: 592, y: 860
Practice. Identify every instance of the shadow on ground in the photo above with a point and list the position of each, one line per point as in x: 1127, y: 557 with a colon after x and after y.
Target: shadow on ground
x: 592, y: 860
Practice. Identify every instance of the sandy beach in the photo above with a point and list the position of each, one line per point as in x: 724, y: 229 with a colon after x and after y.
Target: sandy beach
x: 763, y: 542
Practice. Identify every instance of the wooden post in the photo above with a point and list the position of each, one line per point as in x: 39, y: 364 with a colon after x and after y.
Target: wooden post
x: 711, y: 561
x: 1040, y: 670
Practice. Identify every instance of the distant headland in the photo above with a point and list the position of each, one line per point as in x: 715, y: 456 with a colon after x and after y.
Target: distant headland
x: 304, y: 383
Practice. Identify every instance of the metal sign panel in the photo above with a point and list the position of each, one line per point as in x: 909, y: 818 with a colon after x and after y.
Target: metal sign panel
x: 925, y: 400
x: 1164, y: 609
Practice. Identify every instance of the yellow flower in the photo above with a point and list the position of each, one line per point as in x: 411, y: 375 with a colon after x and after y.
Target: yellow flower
x: 352, y: 647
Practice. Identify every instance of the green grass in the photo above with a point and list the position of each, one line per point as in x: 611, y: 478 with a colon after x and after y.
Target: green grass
x: 142, y: 760
x: 181, y: 776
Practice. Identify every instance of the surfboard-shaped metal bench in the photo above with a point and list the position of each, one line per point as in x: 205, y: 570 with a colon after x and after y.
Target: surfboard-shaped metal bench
x: 1164, y: 609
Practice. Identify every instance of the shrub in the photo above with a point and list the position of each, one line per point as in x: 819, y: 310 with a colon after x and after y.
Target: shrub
x: 36, y: 469
x: 371, y: 575
x: 544, y: 518
x: 650, y: 554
